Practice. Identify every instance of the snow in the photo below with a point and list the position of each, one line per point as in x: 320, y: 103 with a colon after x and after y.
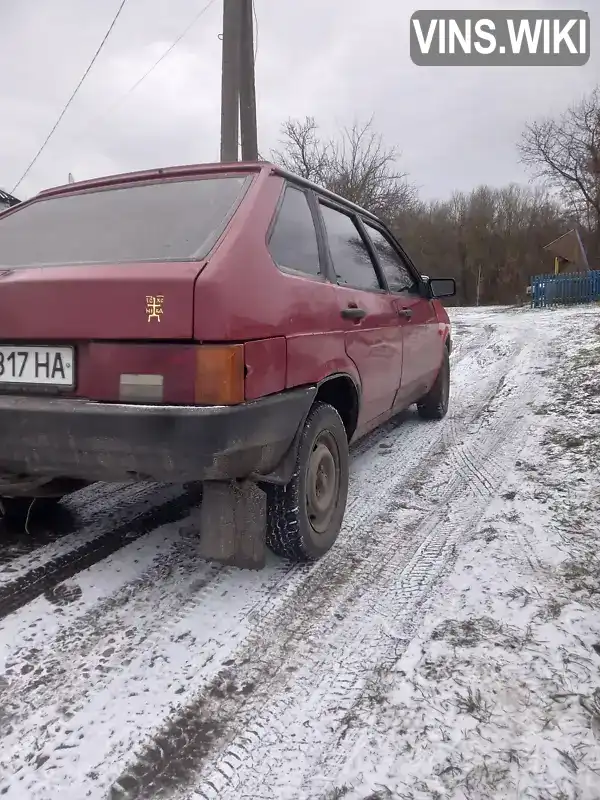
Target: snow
x: 447, y: 647
x: 494, y: 697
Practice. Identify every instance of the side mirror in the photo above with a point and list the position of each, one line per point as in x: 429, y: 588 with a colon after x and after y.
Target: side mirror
x: 442, y: 287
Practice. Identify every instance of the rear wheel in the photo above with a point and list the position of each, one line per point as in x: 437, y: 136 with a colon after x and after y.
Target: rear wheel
x: 304, y: 517
x: 435, y: 403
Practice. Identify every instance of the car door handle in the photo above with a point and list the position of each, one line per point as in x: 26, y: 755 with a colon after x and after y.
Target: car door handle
x: 352, y: 312
x: 405, y: 312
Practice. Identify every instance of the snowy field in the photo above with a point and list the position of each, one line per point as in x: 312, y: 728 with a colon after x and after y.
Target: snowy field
x: 447, y: 647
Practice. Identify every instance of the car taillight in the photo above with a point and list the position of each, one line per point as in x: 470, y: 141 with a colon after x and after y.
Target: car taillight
x: 220, y: 375
x: 141, y: 388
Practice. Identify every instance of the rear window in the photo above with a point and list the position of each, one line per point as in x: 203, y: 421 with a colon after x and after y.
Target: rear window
x: 166, y: 221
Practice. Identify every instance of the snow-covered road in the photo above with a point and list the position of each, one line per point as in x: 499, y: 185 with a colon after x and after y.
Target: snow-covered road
x: 419, y: 659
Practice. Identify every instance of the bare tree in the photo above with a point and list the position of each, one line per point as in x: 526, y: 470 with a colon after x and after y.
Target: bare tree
x: 491, y: 240
x: 565, y: 153
x: 358, y: 166
x: 491, y: 237
x: 302, y: 151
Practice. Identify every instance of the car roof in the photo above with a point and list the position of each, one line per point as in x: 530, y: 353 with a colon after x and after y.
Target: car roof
x: 191, y: 170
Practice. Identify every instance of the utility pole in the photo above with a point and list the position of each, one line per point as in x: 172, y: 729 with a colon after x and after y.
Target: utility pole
x: 230, y: 96
x: 238, y: 91
x: 248, y: 86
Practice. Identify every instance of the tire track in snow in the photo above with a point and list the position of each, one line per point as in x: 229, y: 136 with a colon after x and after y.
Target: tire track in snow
x: 19, y: 592
x: 469, y: 465
x: 407, y: 437
x: 392, y: 603
x: 103, y: 640
x: 270, y: 605
x: 467, y: 338
x: 38, y: 757
x: 338, y: 594
x: 464, y: 420
x: 331, y: 759
x: 468, y: 449
x: 81, y: 517
x: 74, y: 511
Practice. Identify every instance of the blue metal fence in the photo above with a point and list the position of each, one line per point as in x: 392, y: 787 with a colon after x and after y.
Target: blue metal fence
x: 569, y: 289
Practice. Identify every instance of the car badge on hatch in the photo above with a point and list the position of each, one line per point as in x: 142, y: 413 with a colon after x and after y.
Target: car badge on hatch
x: 154, y: 306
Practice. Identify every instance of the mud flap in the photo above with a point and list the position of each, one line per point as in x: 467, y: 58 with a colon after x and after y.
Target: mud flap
x: 233, y: 524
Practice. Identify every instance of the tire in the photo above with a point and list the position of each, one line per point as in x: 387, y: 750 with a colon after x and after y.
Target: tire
x: 298, y: 527
x: 17, y: 510
x: 435, y: 403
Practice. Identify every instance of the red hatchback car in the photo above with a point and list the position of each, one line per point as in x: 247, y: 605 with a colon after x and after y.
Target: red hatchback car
x: 225, y: 323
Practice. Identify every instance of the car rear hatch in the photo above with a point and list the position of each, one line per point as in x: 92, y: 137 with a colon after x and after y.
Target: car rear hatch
x: 112, y: 263
x: 108, y: 302
x: 99, y: 281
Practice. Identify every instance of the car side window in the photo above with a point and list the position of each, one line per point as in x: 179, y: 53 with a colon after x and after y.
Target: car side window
x: 293, y: 240
x: 351, y: 258
x: 398, y: 275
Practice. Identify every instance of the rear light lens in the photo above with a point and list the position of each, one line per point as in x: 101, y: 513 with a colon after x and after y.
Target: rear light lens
x: 220, y: 375
x: 141, y: 388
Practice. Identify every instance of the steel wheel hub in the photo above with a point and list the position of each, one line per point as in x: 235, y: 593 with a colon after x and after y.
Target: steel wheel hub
x: 322, y: 483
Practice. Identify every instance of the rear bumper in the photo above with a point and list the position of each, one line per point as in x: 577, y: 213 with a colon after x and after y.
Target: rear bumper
x: 117, y: 442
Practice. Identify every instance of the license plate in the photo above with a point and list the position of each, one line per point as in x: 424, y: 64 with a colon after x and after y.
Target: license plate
x: 40, y: 364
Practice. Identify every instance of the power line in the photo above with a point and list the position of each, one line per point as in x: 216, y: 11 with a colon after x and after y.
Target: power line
x: 153, y: 67
x: 70, y: 100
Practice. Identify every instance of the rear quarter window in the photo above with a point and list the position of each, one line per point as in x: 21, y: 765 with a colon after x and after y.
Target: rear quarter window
x: 162, y: 221
x: 293, y: 240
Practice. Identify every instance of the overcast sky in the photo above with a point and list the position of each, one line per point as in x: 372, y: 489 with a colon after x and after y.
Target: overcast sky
x: 338, y: 60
